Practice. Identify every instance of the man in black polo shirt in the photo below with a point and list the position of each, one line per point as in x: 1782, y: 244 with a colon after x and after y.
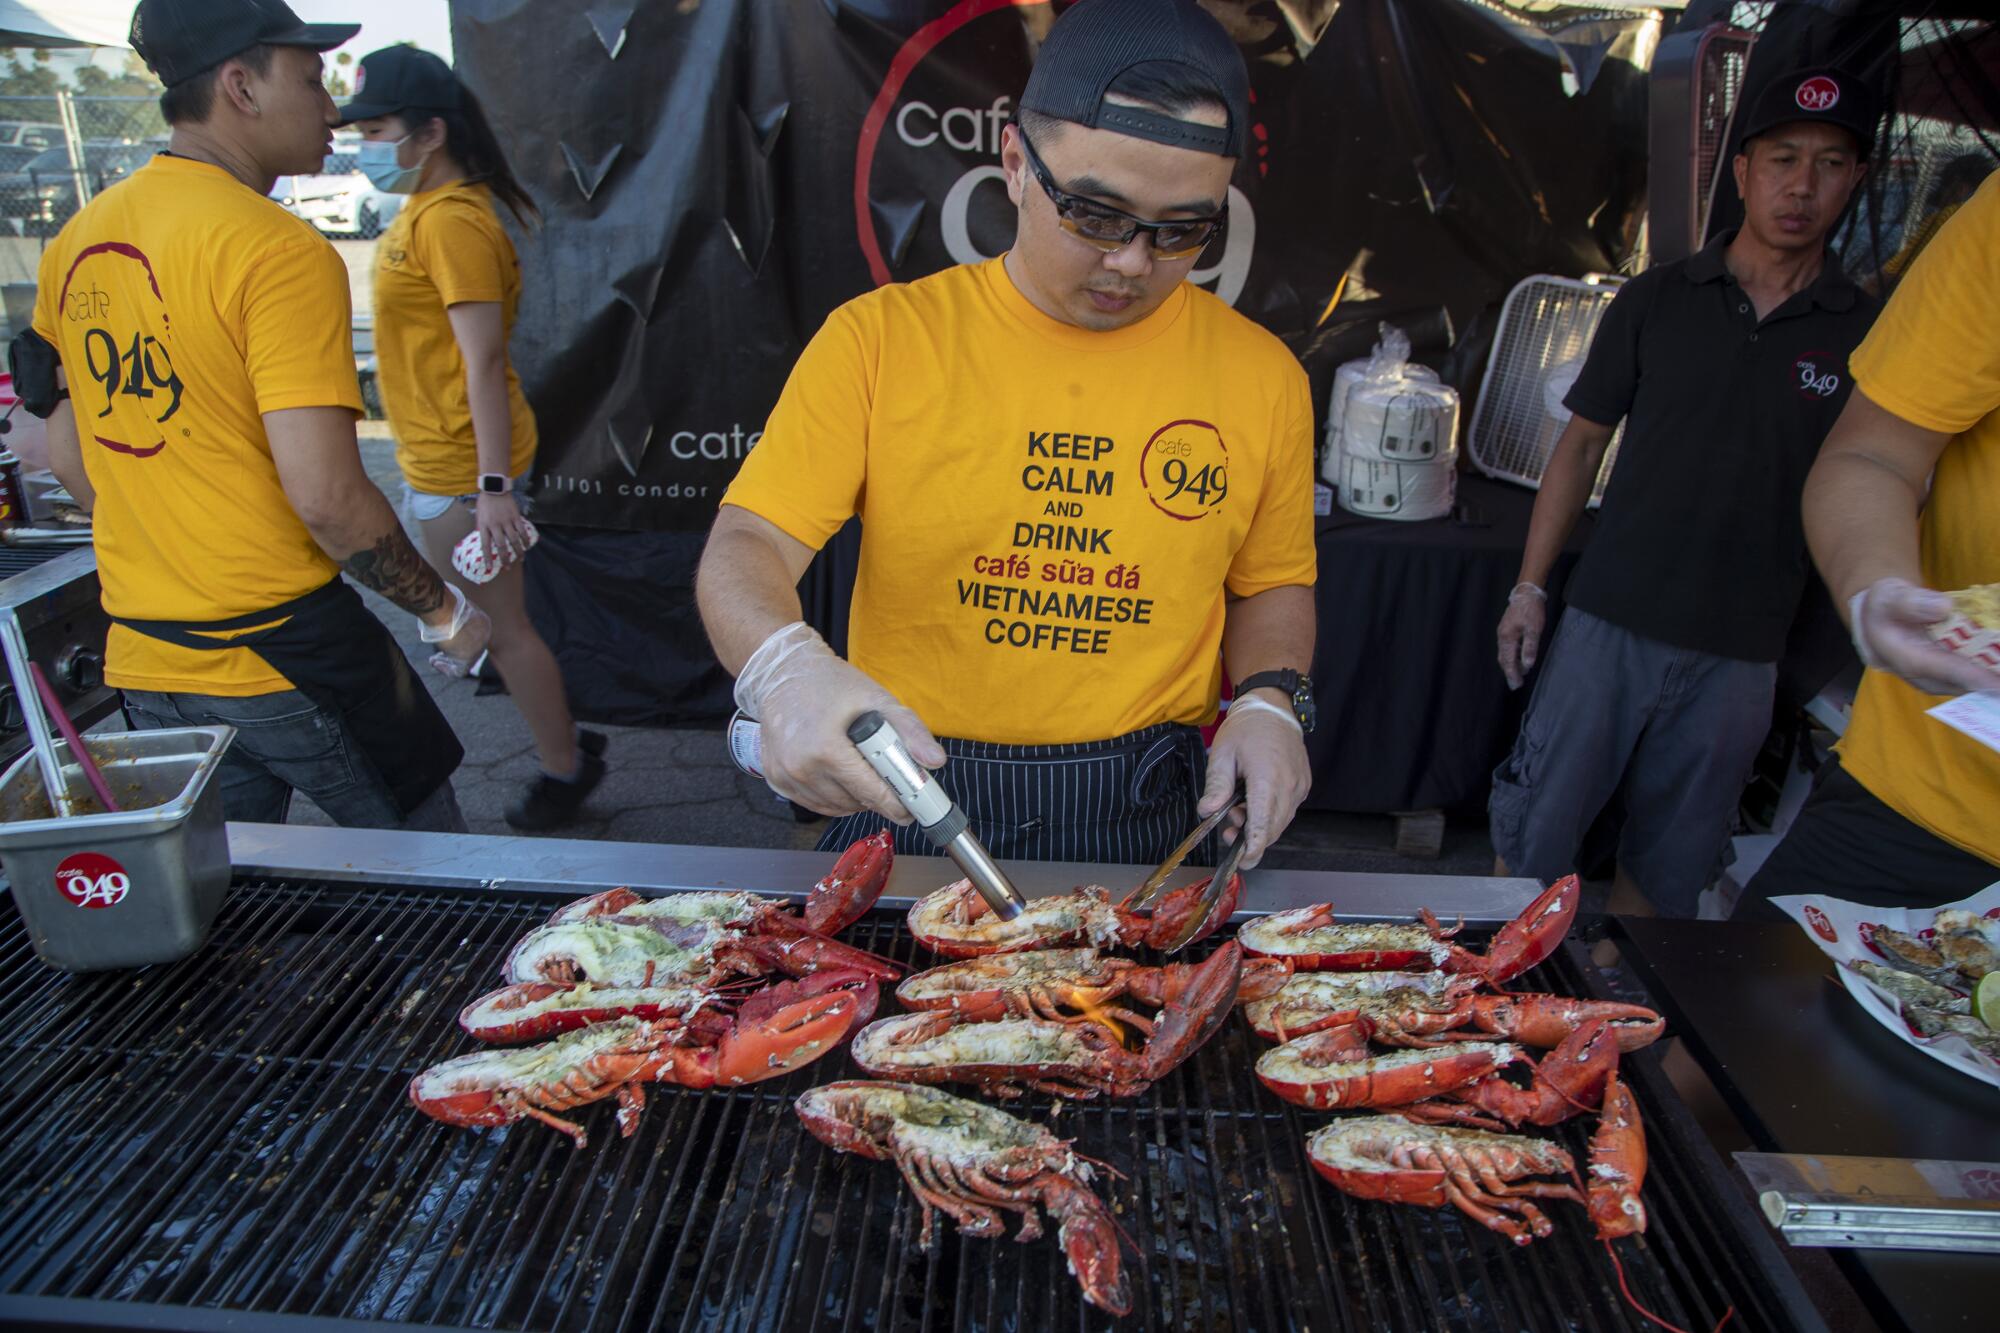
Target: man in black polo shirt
x: 1728, y: 368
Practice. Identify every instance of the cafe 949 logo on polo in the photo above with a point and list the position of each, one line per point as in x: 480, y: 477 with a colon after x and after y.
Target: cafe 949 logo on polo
x: 1818, y: 376
x: 92, y: 879
x: 1185, y: 470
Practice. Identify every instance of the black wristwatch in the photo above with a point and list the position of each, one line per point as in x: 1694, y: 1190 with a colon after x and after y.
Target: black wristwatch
x: 1299, y: 687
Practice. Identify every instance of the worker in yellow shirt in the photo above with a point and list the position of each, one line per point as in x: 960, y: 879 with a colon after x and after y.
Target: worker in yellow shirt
x: 447, y: 284
x: 1084, y: 484
x: 1903, y: 506
x: 201, y: 336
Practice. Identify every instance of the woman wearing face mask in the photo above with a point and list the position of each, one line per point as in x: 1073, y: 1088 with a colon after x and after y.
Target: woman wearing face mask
x: 446, y: 287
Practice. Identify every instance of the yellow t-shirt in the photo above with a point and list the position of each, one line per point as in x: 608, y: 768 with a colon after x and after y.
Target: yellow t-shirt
x: 445, y: 248
x: 185, y: 306
x: 1050, y: 516
x: 1933, y: 358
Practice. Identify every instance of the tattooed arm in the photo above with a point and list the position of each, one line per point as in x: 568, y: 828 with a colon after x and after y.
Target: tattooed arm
x: 320, y: 468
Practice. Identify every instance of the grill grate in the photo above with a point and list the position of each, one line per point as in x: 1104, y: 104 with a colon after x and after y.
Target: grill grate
x: 20, y: 559
x: 230, y: 1133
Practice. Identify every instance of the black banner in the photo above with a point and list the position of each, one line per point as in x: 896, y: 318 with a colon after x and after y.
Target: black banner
x: 717, y: 177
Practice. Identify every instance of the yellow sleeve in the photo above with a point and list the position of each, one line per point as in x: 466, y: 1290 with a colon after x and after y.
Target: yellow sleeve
x: 807, y: 471
x: 47, y: 296
x: 1931, y: 357
x: 467, y: 256
x: 1278, y: 551
x: 297, y: 332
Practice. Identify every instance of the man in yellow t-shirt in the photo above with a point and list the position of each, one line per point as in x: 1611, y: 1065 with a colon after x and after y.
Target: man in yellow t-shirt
x: 1905, y: 502
x: 202, y: 336
x: 1084, y: 485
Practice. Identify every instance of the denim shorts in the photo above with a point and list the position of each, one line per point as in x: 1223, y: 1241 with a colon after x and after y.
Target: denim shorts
x: 423, y: 506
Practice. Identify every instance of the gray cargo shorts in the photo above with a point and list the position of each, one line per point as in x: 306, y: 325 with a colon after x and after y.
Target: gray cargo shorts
x: 1672, y: 730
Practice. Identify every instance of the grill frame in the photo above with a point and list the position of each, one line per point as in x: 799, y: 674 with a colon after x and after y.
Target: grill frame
x: 1265, y: 1137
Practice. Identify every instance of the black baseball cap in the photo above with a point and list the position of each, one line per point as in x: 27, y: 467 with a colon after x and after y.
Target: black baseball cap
x: 1096, y: 41
x: 179, y: 39
x: 397, y: 78
x: 1830, y: 96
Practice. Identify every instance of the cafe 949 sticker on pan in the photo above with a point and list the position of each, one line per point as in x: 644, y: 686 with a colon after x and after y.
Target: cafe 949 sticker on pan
x: 92, y: 880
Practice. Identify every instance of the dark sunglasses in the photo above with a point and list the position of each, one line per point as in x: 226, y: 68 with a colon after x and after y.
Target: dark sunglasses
x: 1110, y: 229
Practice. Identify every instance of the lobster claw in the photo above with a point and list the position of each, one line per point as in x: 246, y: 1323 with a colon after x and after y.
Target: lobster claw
x: 852, y: 886
x: 1617, y: 1164
x: 1198, y: 1012
x: 787, y: 1037
x: 1526, y: 940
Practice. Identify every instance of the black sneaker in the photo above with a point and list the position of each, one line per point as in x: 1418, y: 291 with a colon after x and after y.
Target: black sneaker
x: 552, y: 802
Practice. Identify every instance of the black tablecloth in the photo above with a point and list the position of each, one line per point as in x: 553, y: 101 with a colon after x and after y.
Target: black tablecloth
x: 1413, y: 711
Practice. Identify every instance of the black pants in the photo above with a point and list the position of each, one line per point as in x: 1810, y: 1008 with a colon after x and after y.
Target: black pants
x: 1127, y: 800
x: 1847, y: 844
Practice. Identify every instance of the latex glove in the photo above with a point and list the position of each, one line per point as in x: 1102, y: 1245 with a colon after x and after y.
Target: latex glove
x: 1521, y: 632
x: 503, y: 531
x: 460, y: 638
x: 805, y: 696
x: 1262, y: 745
x: 1891, y: 620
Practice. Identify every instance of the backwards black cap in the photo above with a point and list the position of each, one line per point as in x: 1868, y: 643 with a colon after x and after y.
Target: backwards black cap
x: 399, y: 78
x: 1831, y: 96
x: 1096, y: 41
x: 179, y: 39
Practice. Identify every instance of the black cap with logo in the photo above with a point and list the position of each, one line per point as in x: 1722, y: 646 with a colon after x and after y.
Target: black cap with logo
x: 1830, y: 96
x: 1096, y: 41
x: 179, y: 39
x: 398, y: 78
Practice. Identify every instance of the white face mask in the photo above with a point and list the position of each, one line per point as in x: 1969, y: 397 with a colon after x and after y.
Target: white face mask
x: 377, y: 160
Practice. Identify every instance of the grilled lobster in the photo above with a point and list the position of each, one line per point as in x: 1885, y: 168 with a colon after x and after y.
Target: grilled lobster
x: 1311, y: 940
x: 1485, y: 1176
x: 1067, y: 985
x: 956, y: 922
x: 534, y: 1010
x: 1438, y: 1014
x: 1066, y: 1059
x: 972, y: 1163
x: 614, y: 1059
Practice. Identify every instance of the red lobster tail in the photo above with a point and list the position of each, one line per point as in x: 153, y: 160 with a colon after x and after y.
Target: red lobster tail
x: 852, y: 886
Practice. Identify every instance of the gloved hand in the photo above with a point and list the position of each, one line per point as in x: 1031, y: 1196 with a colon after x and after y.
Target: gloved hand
x: 805, y: 696
x: 1262, y: 746
x: 1891, y: 620
x: 461, y: 638
x: 1521, y: 632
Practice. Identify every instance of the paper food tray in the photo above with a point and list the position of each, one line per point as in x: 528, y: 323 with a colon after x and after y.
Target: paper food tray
x: 1841, y: 928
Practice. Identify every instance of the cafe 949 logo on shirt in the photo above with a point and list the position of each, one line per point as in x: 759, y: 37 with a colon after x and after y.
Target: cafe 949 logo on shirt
x: 92, y: 879
x: 1185, y: 470
x: 116, y: 333
x: 1818, y: 376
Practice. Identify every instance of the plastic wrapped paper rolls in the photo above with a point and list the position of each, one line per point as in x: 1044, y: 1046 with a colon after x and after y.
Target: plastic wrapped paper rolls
x: 1401, y: 421
x: 1409, y: 492
x: 1355, y: 372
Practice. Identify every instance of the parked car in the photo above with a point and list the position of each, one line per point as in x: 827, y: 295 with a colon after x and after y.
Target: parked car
x: 42, y: 194
x: 21, y: 140
x: 339, y: 200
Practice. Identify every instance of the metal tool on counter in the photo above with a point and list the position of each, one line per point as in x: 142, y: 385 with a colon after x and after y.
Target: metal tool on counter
x: 1886, y: 1203
x: 941, y: 819
x: 1151, y: 888
x: 32, y: 718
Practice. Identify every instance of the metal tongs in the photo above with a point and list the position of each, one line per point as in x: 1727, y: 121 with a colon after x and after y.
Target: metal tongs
x: 1150, y: 890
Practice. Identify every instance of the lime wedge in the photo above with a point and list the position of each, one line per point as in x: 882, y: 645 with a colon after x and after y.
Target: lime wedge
x: 1986, y: 1001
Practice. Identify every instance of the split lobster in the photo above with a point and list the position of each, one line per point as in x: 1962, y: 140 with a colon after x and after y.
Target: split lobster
x: 1488, y: 1177
x: 534, y: 1010
x: 1067, y: 985
x: 972, y: 1162
x: 1064, y: 1058
x: 1311, y: 940
x: 956, y: 922
x: 1439, y: 1013
x: 614, y: 1059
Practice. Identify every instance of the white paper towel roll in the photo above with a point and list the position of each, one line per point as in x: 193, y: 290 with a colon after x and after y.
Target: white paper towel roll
x: 1408, y: 492
x: 1403, y: 421
x: 1354, y: 372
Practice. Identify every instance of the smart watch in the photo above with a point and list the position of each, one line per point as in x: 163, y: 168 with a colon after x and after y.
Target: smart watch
x: 495, y: 483
x: 1297, y: 686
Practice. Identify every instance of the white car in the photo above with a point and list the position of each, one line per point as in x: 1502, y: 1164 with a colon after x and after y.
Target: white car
x: 339, y: 201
